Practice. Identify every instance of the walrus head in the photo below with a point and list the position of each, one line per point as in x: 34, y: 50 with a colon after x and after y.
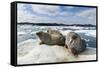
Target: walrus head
x: 43, y: 36
x: 40, y: 34
x: 73, y: 36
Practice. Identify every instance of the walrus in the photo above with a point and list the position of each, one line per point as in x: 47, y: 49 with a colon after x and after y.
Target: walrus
x: 74, y: 43
x: 51, y: 37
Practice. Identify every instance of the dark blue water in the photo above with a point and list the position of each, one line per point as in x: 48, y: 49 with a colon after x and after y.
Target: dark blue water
x: 91, y: 40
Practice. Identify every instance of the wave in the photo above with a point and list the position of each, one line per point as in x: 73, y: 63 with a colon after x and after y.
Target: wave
x: 87, y: 32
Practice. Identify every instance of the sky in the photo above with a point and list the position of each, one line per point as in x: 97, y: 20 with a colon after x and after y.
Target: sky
x: 36, y: 13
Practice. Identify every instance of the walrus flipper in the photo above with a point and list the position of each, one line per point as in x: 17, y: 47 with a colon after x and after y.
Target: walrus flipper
x: 41, y: 43
x: 74, y: 52
x: 65, y: 46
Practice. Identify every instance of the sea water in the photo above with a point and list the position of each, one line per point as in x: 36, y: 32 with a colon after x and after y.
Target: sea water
x: 25, y: 32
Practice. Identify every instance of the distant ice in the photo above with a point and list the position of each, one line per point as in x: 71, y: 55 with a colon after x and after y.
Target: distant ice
x: 87, y: 32
x: 21, y: 33
x: 90, y: 31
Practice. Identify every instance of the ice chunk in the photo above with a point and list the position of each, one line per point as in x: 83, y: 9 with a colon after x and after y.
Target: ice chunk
x: 30, y: 52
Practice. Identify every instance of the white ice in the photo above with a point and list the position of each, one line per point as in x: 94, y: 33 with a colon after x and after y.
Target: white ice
x: 30, y: 52
x: 21, y: 33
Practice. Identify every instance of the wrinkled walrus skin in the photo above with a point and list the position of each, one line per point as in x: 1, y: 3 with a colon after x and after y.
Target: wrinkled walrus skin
x: 74, y: 43
x: 51, y: 37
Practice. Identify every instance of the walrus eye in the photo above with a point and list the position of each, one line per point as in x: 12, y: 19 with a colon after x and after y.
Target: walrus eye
x: 74, y: 37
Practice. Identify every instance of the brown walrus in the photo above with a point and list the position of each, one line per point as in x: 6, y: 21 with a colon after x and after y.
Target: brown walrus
x: 51, y: 37
x: 74, y: 43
